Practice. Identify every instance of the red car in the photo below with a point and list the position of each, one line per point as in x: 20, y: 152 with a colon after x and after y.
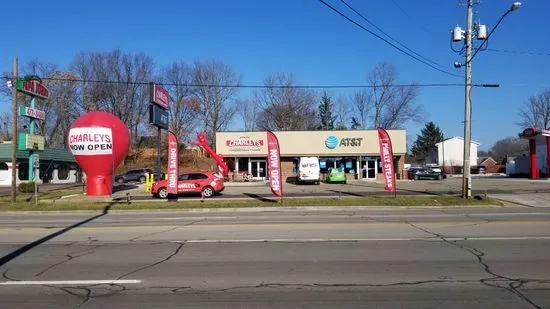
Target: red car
x: 207, y: 183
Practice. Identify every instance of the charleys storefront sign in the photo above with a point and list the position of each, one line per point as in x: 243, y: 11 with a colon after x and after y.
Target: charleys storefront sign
x: 332, y: 142
x: 244, y: 143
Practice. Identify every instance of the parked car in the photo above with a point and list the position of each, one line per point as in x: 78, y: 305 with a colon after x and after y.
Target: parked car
x: 207, y: 183
x: 138, y: 175
x: 336, y: 175
x: 418, y: 173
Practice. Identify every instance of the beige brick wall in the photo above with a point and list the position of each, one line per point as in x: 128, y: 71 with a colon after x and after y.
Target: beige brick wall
x: 286, y: 168
x: 401, y: 166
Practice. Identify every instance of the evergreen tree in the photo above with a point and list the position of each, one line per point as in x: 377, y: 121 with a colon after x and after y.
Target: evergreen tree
x: 424, y: 145
x: 355, y: 125
x: 325, y: 113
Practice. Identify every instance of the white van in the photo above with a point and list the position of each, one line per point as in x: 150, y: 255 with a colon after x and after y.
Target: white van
x: 309, y: 170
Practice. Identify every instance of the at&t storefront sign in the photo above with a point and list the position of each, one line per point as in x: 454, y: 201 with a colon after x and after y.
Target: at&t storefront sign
x: 332, y: 142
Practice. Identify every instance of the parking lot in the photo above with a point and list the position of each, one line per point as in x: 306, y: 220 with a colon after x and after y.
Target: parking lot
x: 481, y: 185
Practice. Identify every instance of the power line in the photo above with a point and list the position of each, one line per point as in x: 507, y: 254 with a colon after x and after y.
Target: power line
x: 259, y: 86
x: 412, y: 19
x: 519, y: 52
x: 389, y: 36
x: 486, y: 41
x: 388, y: 42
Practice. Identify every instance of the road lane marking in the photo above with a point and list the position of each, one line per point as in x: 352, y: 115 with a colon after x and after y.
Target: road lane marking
x: 317, y: 240
x: 70, y: 282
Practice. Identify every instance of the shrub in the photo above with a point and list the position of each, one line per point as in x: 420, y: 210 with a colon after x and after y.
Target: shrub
x: 26, y: 187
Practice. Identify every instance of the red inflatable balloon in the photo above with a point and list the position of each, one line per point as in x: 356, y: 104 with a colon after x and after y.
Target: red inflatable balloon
x: 99, y: 141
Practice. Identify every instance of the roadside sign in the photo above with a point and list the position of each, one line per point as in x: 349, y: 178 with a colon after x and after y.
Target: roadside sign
x: 158, y: 116
x: 31, y: 112
x: 36, y: 161
x: 33, y: 87
x: 27, y: 141
x: 159, y: 96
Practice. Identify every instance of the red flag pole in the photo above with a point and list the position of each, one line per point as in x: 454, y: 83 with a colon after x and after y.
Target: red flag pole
x: 173, y: 166
x: 386, y: 157
x: 274, y: 165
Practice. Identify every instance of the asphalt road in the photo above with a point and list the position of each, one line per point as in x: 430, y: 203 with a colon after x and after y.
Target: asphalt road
x: 339, y: 258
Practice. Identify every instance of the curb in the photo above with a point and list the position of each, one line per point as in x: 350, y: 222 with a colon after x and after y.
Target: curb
x: 256, y: 209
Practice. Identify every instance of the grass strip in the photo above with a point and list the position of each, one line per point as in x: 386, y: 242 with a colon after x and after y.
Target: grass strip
x: 409, y: 201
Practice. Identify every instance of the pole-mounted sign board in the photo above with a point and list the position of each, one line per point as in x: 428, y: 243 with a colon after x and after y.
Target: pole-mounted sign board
x: 27, y: 141
x: 159, y: 96
x: 33, y: 87
x: 31, y: 112
x: 158, y: 116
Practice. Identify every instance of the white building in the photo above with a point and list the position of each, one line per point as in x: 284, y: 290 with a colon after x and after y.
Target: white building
x: 450, y: 152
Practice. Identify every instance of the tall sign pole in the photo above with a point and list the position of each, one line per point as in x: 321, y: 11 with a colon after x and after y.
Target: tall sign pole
x: 32, y: 85
x: 159, y: 110
x: 14, y: 133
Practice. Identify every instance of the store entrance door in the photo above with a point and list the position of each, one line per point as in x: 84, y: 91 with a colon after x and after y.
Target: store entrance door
x: 259, y: 169
x: 369, y: 169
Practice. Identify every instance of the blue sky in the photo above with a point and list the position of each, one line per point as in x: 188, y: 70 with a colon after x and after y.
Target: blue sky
x: 306, y: 38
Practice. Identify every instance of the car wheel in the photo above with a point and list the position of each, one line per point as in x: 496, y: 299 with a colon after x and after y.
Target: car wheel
x: 141, y: 179
x: 120, y: 181
x: 207, y: 191
x: 162, y: 193
x: 415, y: 177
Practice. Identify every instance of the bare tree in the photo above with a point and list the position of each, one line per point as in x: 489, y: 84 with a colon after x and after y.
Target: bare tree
x: 362, y: 101
x: 284, y: 107
x: 248, y: 111
x: 61, y: 111
x: 57, y: 107
x: 116, y: 82
x: 5, y: 127
x: 184, y: 109
x: 509, y: 146
x: 215, y: 86
x: 536, y: 111
x: 342, y: 113
x: 388, y: 105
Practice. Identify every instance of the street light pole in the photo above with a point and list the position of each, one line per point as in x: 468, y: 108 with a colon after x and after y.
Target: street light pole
x: 466, y: 176
x: 457, y: 36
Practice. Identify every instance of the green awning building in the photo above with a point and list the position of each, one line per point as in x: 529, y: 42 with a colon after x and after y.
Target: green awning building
x: 57, y: 165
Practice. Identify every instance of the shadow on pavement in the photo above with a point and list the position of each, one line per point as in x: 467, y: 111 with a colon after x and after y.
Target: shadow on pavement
x: 260, y: 198
x: 349, y: 193
x: 5, y: 259
x: 124, y: 187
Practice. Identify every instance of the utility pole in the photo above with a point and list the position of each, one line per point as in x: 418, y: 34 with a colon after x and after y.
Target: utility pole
x: 458, y: 35
x: 14, y: 132
x: 466, y: 177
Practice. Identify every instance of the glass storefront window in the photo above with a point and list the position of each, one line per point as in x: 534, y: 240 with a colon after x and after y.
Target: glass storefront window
x: 23, y: 171
x: 345, y: 164
x: 243, y: 164
x: 326, y: 163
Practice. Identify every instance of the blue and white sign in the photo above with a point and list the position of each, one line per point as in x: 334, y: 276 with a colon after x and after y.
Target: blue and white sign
x: 331, y: 142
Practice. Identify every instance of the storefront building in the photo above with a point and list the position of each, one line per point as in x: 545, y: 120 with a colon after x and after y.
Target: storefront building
x: 357, y: 153
x: 56, y: 166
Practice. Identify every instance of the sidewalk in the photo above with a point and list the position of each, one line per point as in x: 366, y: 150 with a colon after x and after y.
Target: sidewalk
x: 530, y: 200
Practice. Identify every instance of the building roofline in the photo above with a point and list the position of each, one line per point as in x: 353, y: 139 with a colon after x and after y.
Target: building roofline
x: 458, y: 137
